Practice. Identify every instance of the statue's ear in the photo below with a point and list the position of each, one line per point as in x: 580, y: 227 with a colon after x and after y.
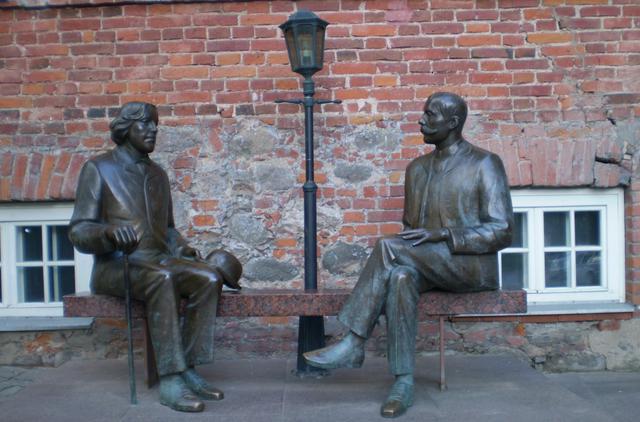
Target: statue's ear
x: 454, y: 121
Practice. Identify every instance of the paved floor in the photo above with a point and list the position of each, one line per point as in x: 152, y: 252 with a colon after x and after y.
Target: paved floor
x: 481, y: 388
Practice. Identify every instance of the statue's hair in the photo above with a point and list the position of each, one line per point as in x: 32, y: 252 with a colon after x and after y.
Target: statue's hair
x: 128, y: 115
x: 451, y: 105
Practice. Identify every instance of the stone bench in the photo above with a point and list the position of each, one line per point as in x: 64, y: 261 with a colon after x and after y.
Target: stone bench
x: 289, y: 302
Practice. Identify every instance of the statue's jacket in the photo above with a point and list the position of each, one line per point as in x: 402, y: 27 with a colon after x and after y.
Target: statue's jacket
x: 470, y: 197
x: 114, y: 189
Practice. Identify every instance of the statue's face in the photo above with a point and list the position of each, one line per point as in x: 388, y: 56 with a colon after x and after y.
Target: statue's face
x: 142, y: 133
x: 434, y: 125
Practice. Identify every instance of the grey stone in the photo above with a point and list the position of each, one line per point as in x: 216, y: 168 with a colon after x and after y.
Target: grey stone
x: 247, y: 229
x: 269, y: 269
x: 274, y: 176
x: 344, y: 259
x: 577, y: 361
x: 252, y: 139
x: 372, y: 138
x: 621, y: 347
x: 176, y: 139
x: 329, y: 218
x: 353, y: 173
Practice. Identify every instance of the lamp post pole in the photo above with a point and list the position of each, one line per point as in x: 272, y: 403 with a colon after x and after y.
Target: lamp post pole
x: 304, y: 36
x: 310, y: 328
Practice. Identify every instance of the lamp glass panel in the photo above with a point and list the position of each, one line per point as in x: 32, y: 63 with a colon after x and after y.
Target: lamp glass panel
x: 305, y: 46
x: 291, y: 48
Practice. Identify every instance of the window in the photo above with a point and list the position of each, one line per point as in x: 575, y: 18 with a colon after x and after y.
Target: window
x: 568, y: 246
x: 38, y: 264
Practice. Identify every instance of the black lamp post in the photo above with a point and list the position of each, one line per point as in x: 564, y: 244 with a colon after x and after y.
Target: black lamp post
x: 304, y: 35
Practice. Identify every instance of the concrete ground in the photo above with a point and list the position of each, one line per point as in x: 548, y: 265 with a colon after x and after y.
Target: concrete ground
x: 481, y: 388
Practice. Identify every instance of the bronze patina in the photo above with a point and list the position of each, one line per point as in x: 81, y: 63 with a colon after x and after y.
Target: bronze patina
x: 123, y: 206
x: 457, y: 216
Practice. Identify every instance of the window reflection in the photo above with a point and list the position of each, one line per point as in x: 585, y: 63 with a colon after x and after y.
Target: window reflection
x: 557, y: 268
x: 29, y: 247
x: 556, y: 228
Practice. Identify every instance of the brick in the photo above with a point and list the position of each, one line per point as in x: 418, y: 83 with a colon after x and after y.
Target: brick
x: 373, y: 30
x: 78, y: 24
x: 550, y: 38
x: 15, y: 102
x: 353, y: 68
x: 442, y: 28
x: 90, y: 75
x: 600, y: 11
x: 233, y: 71
x: 478, y: 40
x: 137, y: 48
x: 185, y: 72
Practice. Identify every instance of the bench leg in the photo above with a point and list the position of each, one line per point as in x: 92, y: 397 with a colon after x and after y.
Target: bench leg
x: 150, y: 368
x: 443, y: 380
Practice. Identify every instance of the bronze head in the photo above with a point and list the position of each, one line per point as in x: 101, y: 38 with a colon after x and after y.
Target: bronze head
x: 443, y: 118
x: 137, y: 126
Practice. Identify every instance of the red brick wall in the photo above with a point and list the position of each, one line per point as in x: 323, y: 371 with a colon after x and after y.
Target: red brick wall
x: 553, y: 87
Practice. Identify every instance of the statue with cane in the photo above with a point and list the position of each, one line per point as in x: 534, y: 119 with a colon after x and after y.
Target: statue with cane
x: 123, y: 216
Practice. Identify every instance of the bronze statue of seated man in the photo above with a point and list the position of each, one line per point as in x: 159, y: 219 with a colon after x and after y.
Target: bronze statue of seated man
x: 457, y: 216
x: 123, y: 206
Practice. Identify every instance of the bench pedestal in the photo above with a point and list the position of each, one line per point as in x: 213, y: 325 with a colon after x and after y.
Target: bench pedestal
x: 289, y: 302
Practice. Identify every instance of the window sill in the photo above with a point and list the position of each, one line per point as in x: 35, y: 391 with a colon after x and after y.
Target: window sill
x: 560, y: 312
x: 579, y: 308
x: 14, y: 324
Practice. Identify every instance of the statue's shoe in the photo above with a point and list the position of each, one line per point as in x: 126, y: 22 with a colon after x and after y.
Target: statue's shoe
x: 340, y: 355
x: 198, y: 385
x: 175, y: 394
x: 399, y: 400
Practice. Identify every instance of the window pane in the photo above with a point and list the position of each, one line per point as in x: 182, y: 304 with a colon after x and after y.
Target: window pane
x: 588, y: 266
x: 30, y: 284
x: 556, y: 228
x: 519, y: 239
x: 61, y: 282
x: 60, y: 247
x: 587, y: 228
x: 557, y: 269
x: 29, y: 247
x: 514, y: 271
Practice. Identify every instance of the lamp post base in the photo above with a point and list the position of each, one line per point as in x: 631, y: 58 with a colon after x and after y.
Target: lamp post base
x: 310, y: 337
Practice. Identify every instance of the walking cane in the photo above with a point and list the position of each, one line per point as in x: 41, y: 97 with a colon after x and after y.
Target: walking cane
x: 127, y: 296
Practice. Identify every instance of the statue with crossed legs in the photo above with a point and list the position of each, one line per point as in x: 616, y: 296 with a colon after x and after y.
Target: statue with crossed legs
x: 457, y: 216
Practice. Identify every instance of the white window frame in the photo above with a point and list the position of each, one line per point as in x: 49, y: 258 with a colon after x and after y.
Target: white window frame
x: 37, y: 214
x: 610, y: 203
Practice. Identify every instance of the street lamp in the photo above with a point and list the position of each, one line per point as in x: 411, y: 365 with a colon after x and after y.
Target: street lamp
x: 304, y: 36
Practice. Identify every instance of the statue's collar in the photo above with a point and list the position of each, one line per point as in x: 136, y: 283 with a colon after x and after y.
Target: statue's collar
x: 128, y: 156
x: 450, y: 150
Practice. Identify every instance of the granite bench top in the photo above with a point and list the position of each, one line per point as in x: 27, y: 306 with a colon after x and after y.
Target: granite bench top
x: 290, y: 302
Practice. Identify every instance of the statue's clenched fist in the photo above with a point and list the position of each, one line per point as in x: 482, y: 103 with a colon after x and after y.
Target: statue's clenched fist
x: 124, y: 238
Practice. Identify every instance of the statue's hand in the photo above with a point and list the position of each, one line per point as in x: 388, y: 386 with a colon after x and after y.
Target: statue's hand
x: 423, y: 235
x: 124, y: 238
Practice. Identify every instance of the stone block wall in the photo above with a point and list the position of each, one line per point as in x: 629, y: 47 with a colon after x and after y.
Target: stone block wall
x: 585, y: 344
